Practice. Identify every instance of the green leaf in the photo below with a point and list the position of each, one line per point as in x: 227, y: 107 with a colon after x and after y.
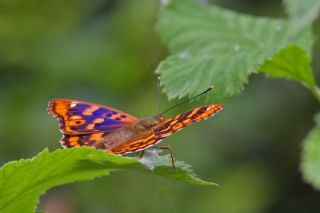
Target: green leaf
x: 293, y: 63
x: 311, y: 156
x: 215, y: 46
x: 23, y: 182
x: 302, y: 13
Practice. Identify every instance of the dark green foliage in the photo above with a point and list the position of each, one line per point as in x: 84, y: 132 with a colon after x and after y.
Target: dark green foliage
x: 214, y: 46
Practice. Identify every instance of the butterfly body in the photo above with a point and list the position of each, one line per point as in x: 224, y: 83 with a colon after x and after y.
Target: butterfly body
x: 93, y: 125
x: 126, y: 133
x: 148, y: 122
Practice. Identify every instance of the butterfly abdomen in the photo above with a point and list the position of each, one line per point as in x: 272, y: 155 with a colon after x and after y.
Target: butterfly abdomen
x: 119, y: 136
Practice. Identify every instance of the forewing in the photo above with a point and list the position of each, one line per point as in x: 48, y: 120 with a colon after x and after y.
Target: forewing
x: 79, y: 117
x: 166, y: 128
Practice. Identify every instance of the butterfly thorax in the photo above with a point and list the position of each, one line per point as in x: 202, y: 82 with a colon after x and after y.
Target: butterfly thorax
x: 125, y: 133
x: 148, y: 122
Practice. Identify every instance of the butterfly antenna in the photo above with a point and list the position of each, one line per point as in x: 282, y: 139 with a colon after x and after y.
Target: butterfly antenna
x: 158, y: 87
x: 190, y: 99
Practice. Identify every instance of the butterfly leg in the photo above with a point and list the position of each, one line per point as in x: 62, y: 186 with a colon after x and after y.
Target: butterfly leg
x: 140, y: 154
x: 171, y: 154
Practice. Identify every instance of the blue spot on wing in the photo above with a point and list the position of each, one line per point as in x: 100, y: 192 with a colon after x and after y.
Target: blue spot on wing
x: 108, y: 124
x: 78, y: 109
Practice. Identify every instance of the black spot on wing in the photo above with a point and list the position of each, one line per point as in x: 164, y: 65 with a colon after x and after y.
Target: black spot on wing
x: 182, y: 118
x: 203, y: 109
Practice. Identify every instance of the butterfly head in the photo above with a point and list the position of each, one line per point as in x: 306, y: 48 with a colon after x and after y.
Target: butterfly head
x: 149, y: 122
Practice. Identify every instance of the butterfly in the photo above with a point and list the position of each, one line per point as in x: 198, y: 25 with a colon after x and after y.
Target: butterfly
x: 93, y: 125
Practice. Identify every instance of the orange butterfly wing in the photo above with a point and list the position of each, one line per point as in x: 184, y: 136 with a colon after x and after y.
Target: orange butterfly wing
x: 155, y: 135
x: 90, y: 140
x: 79, y: 117
x: 85, y: 123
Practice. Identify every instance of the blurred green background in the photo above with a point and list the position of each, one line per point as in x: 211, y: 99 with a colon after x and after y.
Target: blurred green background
x: 106, y: 51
